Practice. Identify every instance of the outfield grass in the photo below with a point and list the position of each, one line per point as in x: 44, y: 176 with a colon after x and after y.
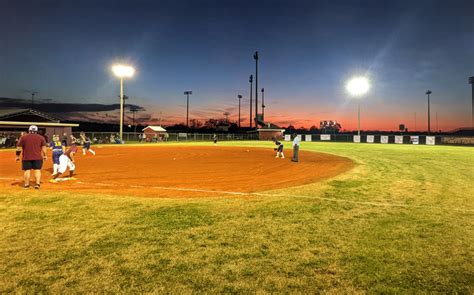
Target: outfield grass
x: 401, y: 222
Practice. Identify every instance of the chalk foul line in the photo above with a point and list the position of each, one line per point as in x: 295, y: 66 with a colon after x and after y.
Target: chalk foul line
x: 195, y: 190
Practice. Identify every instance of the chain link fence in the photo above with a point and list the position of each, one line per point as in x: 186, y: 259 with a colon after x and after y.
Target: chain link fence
x: 135, y: 137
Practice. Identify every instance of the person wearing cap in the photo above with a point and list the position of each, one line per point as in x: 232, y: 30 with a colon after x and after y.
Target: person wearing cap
x: 32, y: 146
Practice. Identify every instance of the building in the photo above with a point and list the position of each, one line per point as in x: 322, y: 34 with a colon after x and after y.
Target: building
x: 14, y: 121
x: 270, y: 131
x: 155, y: 133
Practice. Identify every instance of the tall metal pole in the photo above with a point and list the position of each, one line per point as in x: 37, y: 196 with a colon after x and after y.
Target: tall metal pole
x: 255, y: 56
x: 471, y: 81
x: 240, y: 98
x: 187, y: 93
x: 121, y: 110
x: 429, y: 118
x: 263, y: 105
x: 415, y: 122
x: 358, y: 119
x: 187, y: 112
x: 251, y: 81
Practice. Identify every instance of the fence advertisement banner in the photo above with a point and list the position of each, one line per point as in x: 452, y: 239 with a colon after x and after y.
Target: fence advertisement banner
x: 370, y: 138
x: 414, y: 139
x: 430, y: 140
x: 325, y: 136
x: 399, y: 139
x: 308, y: 137
x: 356, y: 138
x: 287, y: 137
x: 299, y: 136
x: 384, y: 139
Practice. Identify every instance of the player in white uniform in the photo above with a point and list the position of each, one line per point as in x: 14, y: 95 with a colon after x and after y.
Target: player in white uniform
x: 66, y: 160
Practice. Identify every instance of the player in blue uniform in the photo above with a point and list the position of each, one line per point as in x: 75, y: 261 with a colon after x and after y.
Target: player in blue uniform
x: 58, y: 149
x: 278, y: 149
x: 86, y: 144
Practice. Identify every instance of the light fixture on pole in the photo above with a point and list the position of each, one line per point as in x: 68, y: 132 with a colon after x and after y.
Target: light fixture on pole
x: 429, y: 118
x: 122, y: 71
x: 187, y: 93
x: 357, y: 87
x: 240, y: 98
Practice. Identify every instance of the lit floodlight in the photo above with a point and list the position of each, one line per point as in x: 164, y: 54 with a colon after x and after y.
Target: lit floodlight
x: 122, y: 71
x: 358, y: 86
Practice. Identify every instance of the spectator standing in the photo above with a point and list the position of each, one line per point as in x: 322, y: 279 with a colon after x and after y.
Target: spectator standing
x: 33, y: 148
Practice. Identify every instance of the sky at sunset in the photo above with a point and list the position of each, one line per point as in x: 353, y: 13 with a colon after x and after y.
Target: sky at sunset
x: 308, y: 50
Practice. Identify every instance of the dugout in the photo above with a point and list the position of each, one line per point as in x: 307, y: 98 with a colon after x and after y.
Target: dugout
x: 154, y: 133
x: 15, y: 121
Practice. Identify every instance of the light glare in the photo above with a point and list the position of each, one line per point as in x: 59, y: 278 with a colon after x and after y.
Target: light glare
x: 123, y: 71
x: 358, y: 86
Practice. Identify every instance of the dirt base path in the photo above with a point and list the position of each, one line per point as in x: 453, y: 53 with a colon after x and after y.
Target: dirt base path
x: 182, y: 171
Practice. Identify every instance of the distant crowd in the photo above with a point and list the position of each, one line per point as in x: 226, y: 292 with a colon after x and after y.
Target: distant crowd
x: 9, y: 140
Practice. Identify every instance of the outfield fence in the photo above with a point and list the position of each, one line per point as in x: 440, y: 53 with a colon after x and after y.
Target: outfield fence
x: 135, y: 137
x: 9, y: 140
x: 388, y: 139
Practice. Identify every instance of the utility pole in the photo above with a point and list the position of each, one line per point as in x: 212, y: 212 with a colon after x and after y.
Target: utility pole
x: 133, y: 110
x: 33, y: 93
x: 240, y: 98
x: 429, y: 126
x: 226, y: 114
x: 251, y: 81
x: 187, y: 93
x: 263, y: 104
x: 255, y: 56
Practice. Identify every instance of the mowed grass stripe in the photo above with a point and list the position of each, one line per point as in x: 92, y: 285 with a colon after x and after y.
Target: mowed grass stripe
x: 63, y: 242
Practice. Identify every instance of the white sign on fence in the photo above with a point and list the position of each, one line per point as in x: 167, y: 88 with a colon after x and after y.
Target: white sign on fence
x: 370, y: 138
x: 430, y: 140
x: 384, y: 139
x: 414, y: 139
x: 287, y: 137
x: 308, y: 137
x: 356, y: 138
x: 182, y: 135
x: 325, y: 136
x: 299, y: 136
x: 398, y: 139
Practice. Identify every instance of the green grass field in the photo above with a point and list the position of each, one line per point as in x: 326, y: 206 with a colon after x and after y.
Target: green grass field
x: 400, y: 222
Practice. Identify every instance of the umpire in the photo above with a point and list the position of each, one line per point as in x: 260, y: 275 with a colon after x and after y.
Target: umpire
x: 296, y: 148
x: 33, y: 147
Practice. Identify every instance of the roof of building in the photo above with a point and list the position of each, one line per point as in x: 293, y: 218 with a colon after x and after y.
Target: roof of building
x: 270, y: 126
x: 155, y: 128
x: 8, y: 114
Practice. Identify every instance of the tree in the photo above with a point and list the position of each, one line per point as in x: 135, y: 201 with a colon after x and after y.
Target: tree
x: 195, y: 124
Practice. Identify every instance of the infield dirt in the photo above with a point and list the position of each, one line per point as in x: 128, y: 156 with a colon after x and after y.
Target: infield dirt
x: 182, y: 171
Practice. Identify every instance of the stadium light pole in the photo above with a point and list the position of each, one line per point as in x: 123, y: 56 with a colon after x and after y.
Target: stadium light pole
x: 122, y: 71
x: 357, y: 87
x: 429, y: 118
x: 471, y: 81
x: 187, y: 93
x: 251, y: 81
x: 263, y: 105
x: 255, y: 56
x: 240, y: 98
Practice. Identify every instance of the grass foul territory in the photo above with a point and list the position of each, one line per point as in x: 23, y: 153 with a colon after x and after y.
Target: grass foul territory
x: 400, y: 220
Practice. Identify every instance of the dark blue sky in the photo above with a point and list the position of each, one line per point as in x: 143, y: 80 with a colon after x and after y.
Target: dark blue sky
x: 308, y: 49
